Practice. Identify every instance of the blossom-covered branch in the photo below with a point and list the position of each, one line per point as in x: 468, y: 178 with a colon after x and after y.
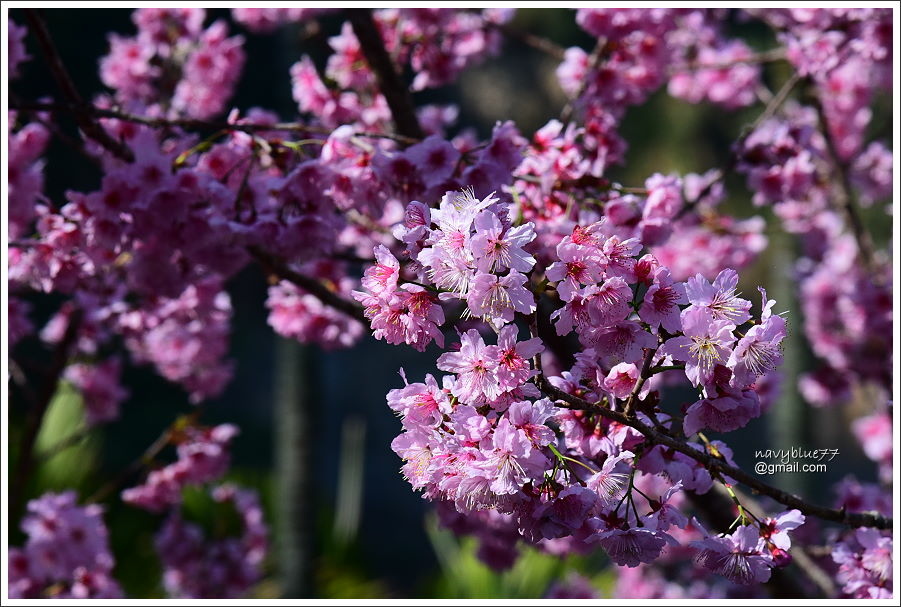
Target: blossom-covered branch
x: 852, y: 519
x: 389, y: 81
x: 70, y: 92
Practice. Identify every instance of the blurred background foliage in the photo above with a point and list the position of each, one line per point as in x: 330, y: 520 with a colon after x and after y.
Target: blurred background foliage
x: 369, y: 535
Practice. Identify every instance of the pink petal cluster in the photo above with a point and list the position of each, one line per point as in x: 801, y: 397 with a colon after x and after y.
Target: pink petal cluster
x: 67, y: 554
x: 196, y: 567
x: 203, y: 456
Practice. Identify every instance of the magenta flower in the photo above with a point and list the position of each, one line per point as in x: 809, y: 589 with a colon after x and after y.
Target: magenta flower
x: 448, y: 264
x: 420, y: 404
x: 609, y: 482
x: 619, y: 257
x: 760, y: 350
x: 864, y: 560
x: 530, y: 418
x: 775, y: 530
x: 381, y: 279
x: 514, y: 357
x: 660, y: 305
x: 496, y: 298
x: 514, y: 459
x: 100, y: 388
x: 874, y: 432
x: 415, y: 225
x: 409, y: 316
x: 677, y: 467
x: 735, y: 556
x: 621, y: 379
x: 877, y: 555
x: 435, y: 159
x: 576, y: 267
x: 610, y: 303
x: 67, y: 553
x: 476, y: 366
x: 704, y: 345
x: 723, y: 413
x: 665, y: 513
x: 720, y: 297
x: 413, y: 447
x: 576, y: 312
x: 622, y: 342
x: 633, y: 546
x: 496, y: 249
x: 563, y: 515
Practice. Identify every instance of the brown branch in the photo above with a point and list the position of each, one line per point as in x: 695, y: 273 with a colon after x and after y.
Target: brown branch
x: 718, y: 510
x: 79, y: 108
x: 851, y: 519
x: 201, y: 125
x: 594, y: 60
x: 546, y: 46
x: 310, y: 285
x: 134, y: 467
x: 845, y: 192
x: 642, y: 377
x: 775, y: 54
x: 768, y: 112
x: 389, y: 81
x: 43, y: 398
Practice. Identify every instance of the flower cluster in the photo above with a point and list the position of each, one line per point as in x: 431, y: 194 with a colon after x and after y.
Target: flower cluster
x: 262, y: 20
x: 100, y: 388
x: 196, y: 567
x: 568, y: 302
x: 202, y: 458
x: 174, y: 57
x: 67, y: 554
x: 483, y: 438
x: 26, y: 177
x: 296, y: 314
x: 865, y: 564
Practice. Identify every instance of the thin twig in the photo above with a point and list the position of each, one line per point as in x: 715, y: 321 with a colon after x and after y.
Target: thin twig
x: 79, y: 108
x: 844, y: 198
x: 192, y: 124
x: 396, y: 92
x: 775, y: 54
x: 768, y: 112
x: 134, y: 467
x: 594, y: 60
x: 642, y: 377
x: 852, y: 519
x: 546, y: 46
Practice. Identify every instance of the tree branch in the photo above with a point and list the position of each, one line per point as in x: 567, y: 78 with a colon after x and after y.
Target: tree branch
x: 768, y: 112
x: 845, y: 192
x: 642, y: 377
x: 389, y: 81
x: 134, y: 467
x: 79, y: 108
x: 26, y: 461
x: 594, y: 60
x: 310, y: 285
x: 546, y: 46
x: 199, y: 125
x: 718, y: 510
x: 774, y: 54
x: 851, y: 519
